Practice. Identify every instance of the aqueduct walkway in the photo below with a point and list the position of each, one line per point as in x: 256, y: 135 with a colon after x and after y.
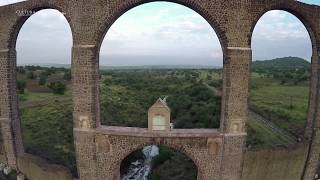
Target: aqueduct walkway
x: 99, y: 150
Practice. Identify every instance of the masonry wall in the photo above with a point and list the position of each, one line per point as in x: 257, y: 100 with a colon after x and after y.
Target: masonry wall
x: 264, y: 164
x: 110, y: 150
x: 233, y: 21
x: 36, y: 168
x: 275, y: 164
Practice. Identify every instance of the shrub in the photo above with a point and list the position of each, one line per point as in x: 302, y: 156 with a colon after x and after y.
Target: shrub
x: 31, y: 75
x: 67, y: 75
x: 164, y: 155
x: 21, y: 85
x: 43, y: 80
x: 57, y: 87
x: 21, y: 70
x: 154, y: 176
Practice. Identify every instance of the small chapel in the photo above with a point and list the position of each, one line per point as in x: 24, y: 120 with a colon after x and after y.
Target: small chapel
x: 159, y: 116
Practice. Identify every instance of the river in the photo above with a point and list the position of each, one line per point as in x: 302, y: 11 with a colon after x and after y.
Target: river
x: 140, y: 169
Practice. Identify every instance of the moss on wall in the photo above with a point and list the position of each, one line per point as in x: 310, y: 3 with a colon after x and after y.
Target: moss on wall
x: 276, y: 164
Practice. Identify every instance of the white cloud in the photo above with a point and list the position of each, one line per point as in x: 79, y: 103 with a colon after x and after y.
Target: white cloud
x: 160, y: 31
x: 279, y: 25
x: 278, y: 34
x: 168, y: 34
x: 6, y: 2
x: 45, y: 38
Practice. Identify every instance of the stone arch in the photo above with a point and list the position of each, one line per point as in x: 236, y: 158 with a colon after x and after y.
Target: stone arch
x: 190, y: 4
x: 197, y: 7
x: 170, y: 146
x: 14, y: 33
x: 302, y: 13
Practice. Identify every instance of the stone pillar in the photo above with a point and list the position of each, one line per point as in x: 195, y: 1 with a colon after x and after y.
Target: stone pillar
x: 232, y: 157
x: 313, y: 92
x: 313, y: 157
x: 235, y: 110
x: 236, y: 75
x: 313, y: 123
x: 84, y: 141
x: 10, y: 123
x: 85, y: 79
x: 85, y: 71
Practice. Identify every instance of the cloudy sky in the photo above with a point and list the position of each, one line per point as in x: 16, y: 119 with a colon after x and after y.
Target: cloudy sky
x: 159, y: 33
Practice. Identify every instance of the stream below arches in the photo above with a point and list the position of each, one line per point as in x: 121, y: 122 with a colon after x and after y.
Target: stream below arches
x: 140, y: 169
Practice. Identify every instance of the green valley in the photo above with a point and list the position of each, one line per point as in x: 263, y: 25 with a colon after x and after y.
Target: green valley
x: 278, y: 105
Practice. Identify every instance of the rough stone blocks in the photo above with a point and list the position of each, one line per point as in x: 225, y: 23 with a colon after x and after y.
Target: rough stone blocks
x: 99, y: 154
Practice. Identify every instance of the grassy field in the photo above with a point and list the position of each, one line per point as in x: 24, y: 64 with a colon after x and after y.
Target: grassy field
x: 262, y: 135
x: 48, y: 132
x: 284, y: 105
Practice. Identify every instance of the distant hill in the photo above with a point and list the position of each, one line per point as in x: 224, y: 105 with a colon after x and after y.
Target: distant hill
x: 281, y: 64
x: 47, y: 65
x: 130, y: 67
x: 159, y: 67
x: 278, y: 64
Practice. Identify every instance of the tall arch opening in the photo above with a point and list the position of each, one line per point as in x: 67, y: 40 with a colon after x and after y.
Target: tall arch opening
x: 158, y: 162
x: 44, y: 87
x: 161, y: 50
x: 279, y: 96
x: 280, y: 80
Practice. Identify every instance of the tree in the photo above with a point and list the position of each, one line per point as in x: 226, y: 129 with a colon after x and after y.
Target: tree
x: 283, y: 81
x: 21, y: 85
x: 21, y: 70
x: 31, y: 75
x: 43, y: 80
x: 67, y: 75
x: 57, y: 87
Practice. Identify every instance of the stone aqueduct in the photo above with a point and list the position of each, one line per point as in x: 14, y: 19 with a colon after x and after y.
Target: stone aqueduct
x: 100, y: 149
